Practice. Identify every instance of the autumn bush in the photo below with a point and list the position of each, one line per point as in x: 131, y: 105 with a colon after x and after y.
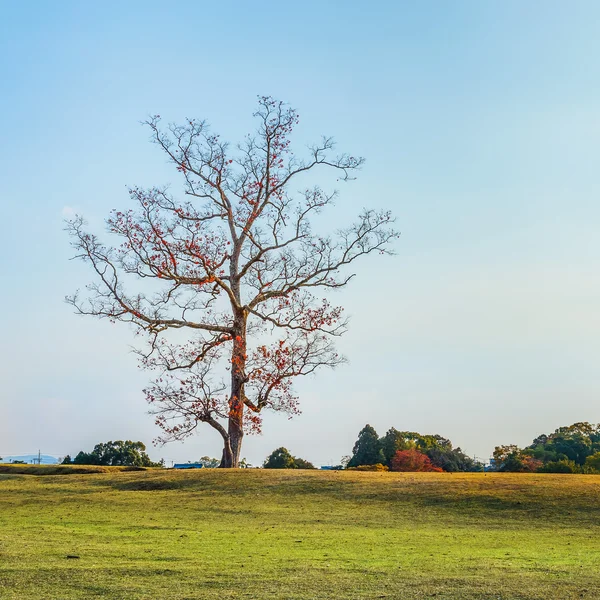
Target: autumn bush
x: 375, y: 467
x: 412, y: 460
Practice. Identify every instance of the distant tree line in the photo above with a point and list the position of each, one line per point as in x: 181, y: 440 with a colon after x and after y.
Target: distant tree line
x: 571, y: 449
x: 408, y: 451
x: 395, y: 451
x: 114, y: 454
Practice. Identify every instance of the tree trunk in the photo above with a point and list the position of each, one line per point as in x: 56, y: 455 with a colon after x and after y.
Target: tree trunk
x: 226, y: 457
x: 230, y: 458
x: 236, y: 434
x: 236, y: 400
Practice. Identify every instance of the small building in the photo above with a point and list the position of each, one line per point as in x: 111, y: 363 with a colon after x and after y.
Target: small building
x: 188, y: 466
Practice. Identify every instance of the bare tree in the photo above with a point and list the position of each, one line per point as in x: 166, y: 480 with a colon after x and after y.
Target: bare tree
x: 234, y: 260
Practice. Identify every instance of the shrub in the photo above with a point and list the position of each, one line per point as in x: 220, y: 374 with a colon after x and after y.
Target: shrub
x: 412, y: 460
x: 375, y: 467
x: 530, y: 464
x: 559, y: 466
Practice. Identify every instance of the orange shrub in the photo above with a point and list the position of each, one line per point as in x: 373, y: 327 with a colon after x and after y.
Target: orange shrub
x: 412, y: 460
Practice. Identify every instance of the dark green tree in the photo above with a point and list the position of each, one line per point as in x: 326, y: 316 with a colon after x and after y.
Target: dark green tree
x: 572, y: 443
x: 300, y: 463
x: 279, y: 459
x: 395, y: 440
x: 117, y: 453
x: 367, y: 449
x: 592, y: 462
x: 559, y: 466
x: 574, y: 446
x: 282, y: 459
x: 452, y: 459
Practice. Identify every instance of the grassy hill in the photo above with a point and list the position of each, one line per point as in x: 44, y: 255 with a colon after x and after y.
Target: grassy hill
x: 298, y: 535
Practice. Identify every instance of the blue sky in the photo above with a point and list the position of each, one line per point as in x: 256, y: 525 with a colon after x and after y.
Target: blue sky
x: 480, y: 125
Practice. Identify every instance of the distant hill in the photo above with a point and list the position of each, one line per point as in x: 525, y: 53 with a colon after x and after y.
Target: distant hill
x: 29, y: 458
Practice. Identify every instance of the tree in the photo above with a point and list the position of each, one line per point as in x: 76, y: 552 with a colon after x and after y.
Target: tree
x: 117, y: 453
x: 395, y: 440
x: 574, y: 446
x: 569, y: 444
x: 452, y: 459
x: 209, y: 463
x: 512, y: 459
x: 282, y: 459
x: 232, y: 275
x: 559, y: 466
x: 504, y: 455
x: 367, y: 449
x: 300, y: 463
x: 593, y: 462
x: 437, y: 448
x: 412, y: 460
x: 279, y: 459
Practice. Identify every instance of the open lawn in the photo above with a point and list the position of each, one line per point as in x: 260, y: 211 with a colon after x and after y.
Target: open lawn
x: 298, y: 534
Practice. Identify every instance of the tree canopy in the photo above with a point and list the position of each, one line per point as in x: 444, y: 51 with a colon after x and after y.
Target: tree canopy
x: 367, y: 449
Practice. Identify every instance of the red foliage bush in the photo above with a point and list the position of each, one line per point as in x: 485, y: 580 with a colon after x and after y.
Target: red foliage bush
x: 412, y: 460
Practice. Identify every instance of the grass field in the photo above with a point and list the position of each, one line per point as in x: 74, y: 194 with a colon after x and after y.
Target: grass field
x: 299, y: 534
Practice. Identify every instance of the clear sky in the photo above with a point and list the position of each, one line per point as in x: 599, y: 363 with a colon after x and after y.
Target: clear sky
x: 480, y: 123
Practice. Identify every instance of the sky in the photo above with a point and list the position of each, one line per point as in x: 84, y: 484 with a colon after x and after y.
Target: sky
x: 480, y: 124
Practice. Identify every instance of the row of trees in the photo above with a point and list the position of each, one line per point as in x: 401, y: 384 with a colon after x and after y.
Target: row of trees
x: 409, y: 451
x: 114, y: 454
x: 571, y: 449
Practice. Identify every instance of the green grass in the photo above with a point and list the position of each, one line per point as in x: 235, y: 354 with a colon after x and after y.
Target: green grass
x: 16, y: 469
x: 299, y: 534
